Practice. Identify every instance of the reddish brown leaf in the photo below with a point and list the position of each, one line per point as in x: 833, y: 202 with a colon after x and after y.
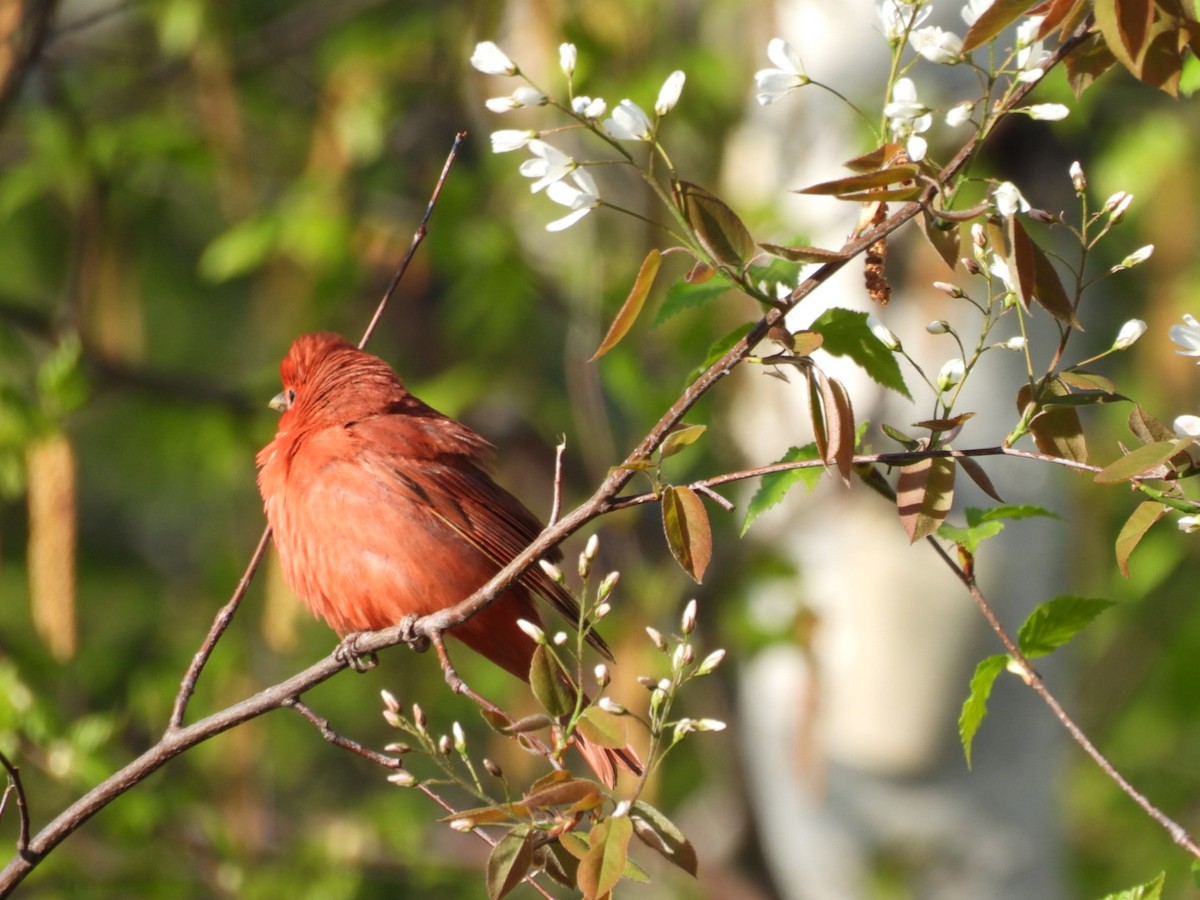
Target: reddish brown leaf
x: 1147, y: 513
x: 804, y: 254
x: 945, y: 238
x: 604, y: 863
x: 1056, y: 430
x: 1087, y: 62
x: 876, y: 159
x: 689, y: 535
x: 976, y: 473
x: 992, y: 21
x: 717, y: 226
x: 632, y: 306
x: 843, y: 453
x: 509, y: 861
x: 924, y: 494
x: 852, y: 184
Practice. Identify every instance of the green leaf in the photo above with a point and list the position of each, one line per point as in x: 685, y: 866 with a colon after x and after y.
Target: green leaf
x: 681, y: 296
x: 717, y: 227
x: 689, y: 535
x: 662, y: 835
x: 1139, y: 461
x: 604, y: 863
x: 1147, y: 428
x: 549, y: 683
x: 62, y: 387
x: 985, y: 523
x: 1147, y: 513
x: 1008, y: 511
x: 1057, y: 621
x: 632, y: 307
x: 924, y: 494
x: 719, y: 348
x: 845, y: 333
x: 509, y: 861
x: 971, y: 536
x: 240, y: 249
x: 1151, y: 890
x: 974, y: 708
x: 681, y: 437
x: 774, y: 487
x: 603, y: 728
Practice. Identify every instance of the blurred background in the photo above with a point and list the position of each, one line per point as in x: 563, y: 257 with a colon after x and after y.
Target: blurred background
x: 186, y: 186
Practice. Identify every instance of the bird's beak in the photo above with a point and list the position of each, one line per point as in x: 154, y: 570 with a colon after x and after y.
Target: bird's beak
x: 280, y: 402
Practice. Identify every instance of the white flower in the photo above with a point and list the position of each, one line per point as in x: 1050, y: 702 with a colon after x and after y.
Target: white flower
x: 883, y: 334
x: 1189, y: 524
x: 629, y: 122
x: 521, y: 97
x: 589, y: 108
x: 548, y: 165
x: 1046, y: 112
x: 491, y: 60
x: 937, y: 45
x: 973, y: 10
x: 950, y: 374
x: 908, y: 118
x: 580, y: 198
x: 1013, y: 343
x: 898, y: 17
x: 785, y: 78
x: 1129, y: 333
x: 1187, y: 336
x: 1136, y: 258
x: 1078, y: 179
x: 1186, y: 426
x: 566, y: 58
x: 509, y: 139
x: 1118, y: 204
x: 960, y: 114
x: 668, y: 94
x: 1030, y: 53
x: 1009, y: 200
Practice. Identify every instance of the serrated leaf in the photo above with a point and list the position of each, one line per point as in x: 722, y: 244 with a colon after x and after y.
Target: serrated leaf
x: 1088, y: 62
x: 662, y: 835
x: 945, y: 240
x: 804, y: 254
x: 805, y: 342
x: 1139, y: 461
x: 719, y: 348
x: 604, y: 863
x: 603, y: 728
x: 853, y: 184
x: 924, y: 494
x: 632, y: 307
x: 509, y: 861
x: 974, y: 708
x: 681, y: 296
x: 845, y: 333
x: 972, y: 536
x: 549, y: 683
x: 717, y: 227
x: 680, y: 438
x: 774, y: 487
x: 1146, y: 514
x: 1151, y: 890
x: 1056, y: 621
x: 689, y: 535
x: 992, y: 21
x: 1008, y: 511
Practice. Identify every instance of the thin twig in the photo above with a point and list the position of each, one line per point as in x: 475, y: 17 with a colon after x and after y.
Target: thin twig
x: 1031, y: 677
x: 14, y: 780
x: 556, y: 505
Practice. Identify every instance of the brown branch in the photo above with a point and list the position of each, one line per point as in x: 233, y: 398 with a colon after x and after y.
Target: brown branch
x: 31, y: 37
x: 1030, y: 676
x: 14, y: 785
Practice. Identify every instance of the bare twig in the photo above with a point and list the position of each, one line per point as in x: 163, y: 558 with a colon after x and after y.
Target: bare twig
x: 1031, y: 677
x: 14, y: 784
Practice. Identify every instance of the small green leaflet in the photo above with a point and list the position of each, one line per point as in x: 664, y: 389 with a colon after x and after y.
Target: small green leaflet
x: 1057, y: 621
x: 974, y: 708
x: 985, y: 523
x: 681, y: 296
x: 1151, y: 890
x: 846, y: 334
x: 774, y: 487
x: 719, y: 348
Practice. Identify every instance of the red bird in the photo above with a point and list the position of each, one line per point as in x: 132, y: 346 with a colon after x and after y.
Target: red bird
x: 381, y: 508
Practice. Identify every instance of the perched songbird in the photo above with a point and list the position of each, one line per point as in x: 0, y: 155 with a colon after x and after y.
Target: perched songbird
x: 381, y: 508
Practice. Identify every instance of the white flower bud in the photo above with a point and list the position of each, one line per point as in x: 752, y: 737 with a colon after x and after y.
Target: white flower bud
x: 602, y: 676
x: 960, y: 114
x: 687, y: 622
x: 606, y: 586
x: 463, y: 824
x: 656, y: 636
x: 535, y: 634
x: 1187, y: 426
x: 1013, y: 343
x: 950, y: 290
x: 508, y: 139
x: 1047, y: 112
x: 1189, y: 524
x: 938, y: 326
x: 1129, y: 333
x: 560, y: 638
x: 883, y: 334
x: 951, y: 374
x: 553, y: 572
x: 668, y: 95
x: 1078, y: 179
x: 609, y: 705
x: 710, y: 662
x: 445, y: 745
x: 389, y: 700
x: 1136, y: 258
x: 402, y: 778
x: 566, y: 58
x: 419, y: 718
x: 460, y: 738
x: 491, y: 60
x: 603, y: 609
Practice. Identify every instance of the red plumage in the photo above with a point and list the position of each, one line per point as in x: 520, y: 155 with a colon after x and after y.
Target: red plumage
x: 380, y: 508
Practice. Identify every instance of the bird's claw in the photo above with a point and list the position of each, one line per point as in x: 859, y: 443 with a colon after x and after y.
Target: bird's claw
x: 348, y: 653
x: 416, y: 640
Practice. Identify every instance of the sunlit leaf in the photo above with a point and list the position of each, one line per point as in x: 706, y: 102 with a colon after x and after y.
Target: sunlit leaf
x: 1087, y: 62
x: 680, y: 438
x: 1088, y: 381
x: 1139, y: 461
x: 853, y: 184
x: 945, y: 237
x: 1146, y: 514
x: 632, y: 307
x: 604, y: 863
x: 774, y: 487
x: 603, y: 728
x: 992, y: 21
x: 689, y: 535
x: 681, y: 296
x: 661, y: 834
x: 846, y: 334
x: 1147, y: 428
x: 974, y: 708
x: 509, y: 862
x: 804, y: 254
x: 924, y: 494
x: 549, y: 683
x: 1151, y: 890
x: 569, y: 792
x: 1057, y: 431
x: 1056, y: 621
x: 972, y: 536
x: 717, y: 226
x: 876, y: 159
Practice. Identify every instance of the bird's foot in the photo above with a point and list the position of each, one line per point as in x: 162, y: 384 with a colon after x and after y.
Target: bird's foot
x: 416, y: 640
x: 347, y: 651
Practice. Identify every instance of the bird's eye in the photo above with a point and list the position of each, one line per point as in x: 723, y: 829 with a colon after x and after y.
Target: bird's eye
x: 291, y: 396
